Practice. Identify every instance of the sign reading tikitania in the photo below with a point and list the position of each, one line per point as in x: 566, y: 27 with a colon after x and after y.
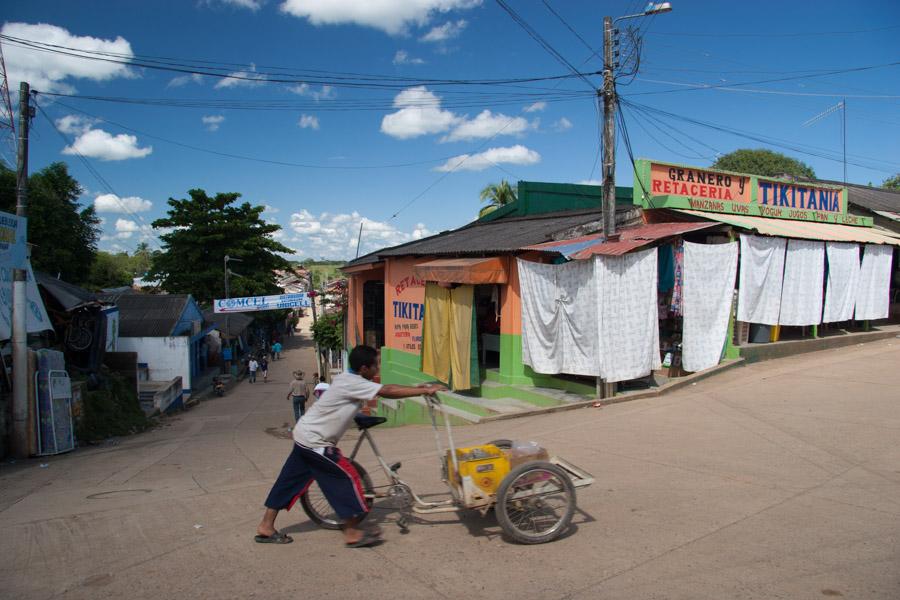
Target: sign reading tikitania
x: 662, y: 185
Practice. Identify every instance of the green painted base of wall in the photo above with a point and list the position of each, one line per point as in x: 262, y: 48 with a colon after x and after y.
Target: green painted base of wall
x: 512, y: 380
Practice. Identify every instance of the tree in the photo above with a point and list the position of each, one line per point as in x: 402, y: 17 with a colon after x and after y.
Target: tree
x: 892, y: 183
x: 497, y: 195
x: 763, y: 162
x: 110, y: 270
x: 204, y: 230
x: 64, y: 233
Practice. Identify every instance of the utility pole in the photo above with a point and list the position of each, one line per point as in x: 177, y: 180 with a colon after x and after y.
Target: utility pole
x: 19, y: 314
x: 608, y: 92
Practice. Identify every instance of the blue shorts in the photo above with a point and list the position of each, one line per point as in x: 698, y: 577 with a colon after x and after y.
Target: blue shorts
x: 335, y: 475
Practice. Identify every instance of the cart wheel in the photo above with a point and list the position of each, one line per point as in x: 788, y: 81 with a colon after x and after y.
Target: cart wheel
x: 502, y: 444
x: 535, y: 503
x: 319, y: 511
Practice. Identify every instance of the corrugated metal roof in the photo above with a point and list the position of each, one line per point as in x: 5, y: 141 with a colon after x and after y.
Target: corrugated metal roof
x: 231, y: 324
x: 807, y: 230
x: 630, y: 239
x: 68, y: 295
x: 147, y: 315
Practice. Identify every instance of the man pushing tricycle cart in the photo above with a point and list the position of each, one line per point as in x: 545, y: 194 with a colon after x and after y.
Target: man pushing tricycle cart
x: 532, y: 493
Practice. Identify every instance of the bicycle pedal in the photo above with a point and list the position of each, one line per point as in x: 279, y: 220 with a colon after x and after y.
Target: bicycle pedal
x: 396, y: 466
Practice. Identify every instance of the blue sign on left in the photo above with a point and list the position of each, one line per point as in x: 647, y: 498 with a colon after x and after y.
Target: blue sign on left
x: 12, y: 241
x: 256, y: 303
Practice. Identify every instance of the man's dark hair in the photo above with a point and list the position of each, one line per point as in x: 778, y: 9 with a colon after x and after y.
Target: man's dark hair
x: 363, y: 356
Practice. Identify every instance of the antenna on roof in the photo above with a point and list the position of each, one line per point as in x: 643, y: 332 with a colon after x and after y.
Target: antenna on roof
x: 840, y: 106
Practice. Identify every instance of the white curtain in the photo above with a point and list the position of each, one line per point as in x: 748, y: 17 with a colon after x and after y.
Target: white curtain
x: 803, y: 293
x: 559, y: 325
x: 873, y: 296
x: 762, y: 272
x: 709, y: 273
x: 843, y: 281
x: 627, y: 315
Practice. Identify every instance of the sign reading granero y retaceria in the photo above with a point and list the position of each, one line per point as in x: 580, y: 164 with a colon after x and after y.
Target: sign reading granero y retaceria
x: 664, y: 185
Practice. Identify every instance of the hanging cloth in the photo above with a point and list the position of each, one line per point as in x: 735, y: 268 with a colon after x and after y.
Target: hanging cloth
x: 676, y: 305
x: 436, y: 333
x: 461, y: 338
x: 762, y: 273
x: 804, y: 276
x: 559, y: 321
x: 666, y: 268
x: 709, y: 273
x: 628, y: 329
x: 873, y: 296
x: 843, y: 281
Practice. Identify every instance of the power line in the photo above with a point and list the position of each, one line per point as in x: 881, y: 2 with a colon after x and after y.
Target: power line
x: 544, y: 43
x: 703, y: 86
x: 587, y: 45
x: 146, y: 229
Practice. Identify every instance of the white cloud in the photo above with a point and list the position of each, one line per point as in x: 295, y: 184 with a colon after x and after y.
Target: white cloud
x: 97, y: 143
x: 335, y: 235
x: 49, y: 71
x: 248, y: 78
x: 391, y: 16
x: 326, y: 92
x: 447, y: 31
x: 110, y: 203
x: 563, y: 124
x: 74, y: 124
x: 270, y: 210
x: 485, y: 125
x: 513, y: 155
x: 590, y: 182
x: 402, y: 57
x: 420, y: 114
x: 537, y: 106
x: 185, y: 79
x: 213, y: 122
x: 253, y: 5
x: 308, y: 122
x: 125, y: 228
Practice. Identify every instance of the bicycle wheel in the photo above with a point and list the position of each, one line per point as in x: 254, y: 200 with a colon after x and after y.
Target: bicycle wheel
x: 535, y: 503
x: 319, y: 511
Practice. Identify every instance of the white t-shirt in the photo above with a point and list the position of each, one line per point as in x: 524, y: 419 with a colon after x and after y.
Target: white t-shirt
x: 253, y: 365
x: 332, y: 415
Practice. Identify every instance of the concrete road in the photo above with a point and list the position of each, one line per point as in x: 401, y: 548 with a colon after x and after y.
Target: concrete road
x: 776, y: 480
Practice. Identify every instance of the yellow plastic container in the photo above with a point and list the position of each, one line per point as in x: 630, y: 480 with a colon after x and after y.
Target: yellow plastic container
x: 481, y: 469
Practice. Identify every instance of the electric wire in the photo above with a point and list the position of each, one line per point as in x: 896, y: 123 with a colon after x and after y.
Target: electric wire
x: 775, y: 35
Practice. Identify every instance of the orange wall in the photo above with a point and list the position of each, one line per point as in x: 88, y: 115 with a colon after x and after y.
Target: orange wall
x: 404, y: 303
x: 511, y: 303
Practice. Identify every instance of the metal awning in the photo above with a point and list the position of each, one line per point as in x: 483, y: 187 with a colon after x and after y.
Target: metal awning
x: 464, y: 270
x: 630, y: 238
x: 806, y: 230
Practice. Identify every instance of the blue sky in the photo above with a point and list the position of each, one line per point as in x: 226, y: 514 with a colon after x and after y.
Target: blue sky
x: 410, y: 138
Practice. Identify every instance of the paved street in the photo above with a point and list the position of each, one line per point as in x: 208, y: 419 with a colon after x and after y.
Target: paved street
x: 776, y: 480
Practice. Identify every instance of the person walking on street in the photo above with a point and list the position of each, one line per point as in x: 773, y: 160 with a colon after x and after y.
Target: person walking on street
x: 298, y: 393
x: 252, y: 367
x: 264, y: 367
x: 316, y: 457
x: 276, y: 350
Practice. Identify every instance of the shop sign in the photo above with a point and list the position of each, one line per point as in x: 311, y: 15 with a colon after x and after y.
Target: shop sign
x: 663, y: 185
x: 257, y: 303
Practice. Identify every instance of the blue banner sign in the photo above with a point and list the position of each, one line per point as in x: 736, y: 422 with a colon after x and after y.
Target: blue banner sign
x: 257, y: 303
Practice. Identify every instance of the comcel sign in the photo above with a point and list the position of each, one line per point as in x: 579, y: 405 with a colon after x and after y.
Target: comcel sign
x: 663, y: 185
x: 257, y: 303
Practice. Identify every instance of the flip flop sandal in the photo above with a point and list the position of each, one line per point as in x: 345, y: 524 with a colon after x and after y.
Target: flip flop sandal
x: 275, y: 538
x: 367, y: 540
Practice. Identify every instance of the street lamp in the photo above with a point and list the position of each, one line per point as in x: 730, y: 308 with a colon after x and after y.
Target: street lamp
x: 228, y: 258
x: 609, y: 113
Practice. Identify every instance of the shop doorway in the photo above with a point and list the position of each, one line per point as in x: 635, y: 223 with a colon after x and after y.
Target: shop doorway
x: 373, y: 313
x: 487, y: 319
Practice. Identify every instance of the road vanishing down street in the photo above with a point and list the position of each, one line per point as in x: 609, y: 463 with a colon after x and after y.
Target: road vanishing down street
x: 776, y: 480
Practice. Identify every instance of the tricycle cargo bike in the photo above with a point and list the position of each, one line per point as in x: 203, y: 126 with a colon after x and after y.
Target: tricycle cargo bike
x: 532, y: 493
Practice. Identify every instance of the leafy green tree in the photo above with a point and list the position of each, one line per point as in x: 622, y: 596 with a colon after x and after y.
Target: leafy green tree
x: 63, y: 232
x: 141, y: 260
x: 328, y: 331
x: 763, y: 162
x: 497, y: 195
x: 203, y: 230
x: 110, y: 270
x: 892, y: 183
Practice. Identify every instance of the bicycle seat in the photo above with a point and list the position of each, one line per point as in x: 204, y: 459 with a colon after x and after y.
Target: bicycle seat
x: 365, y: 422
